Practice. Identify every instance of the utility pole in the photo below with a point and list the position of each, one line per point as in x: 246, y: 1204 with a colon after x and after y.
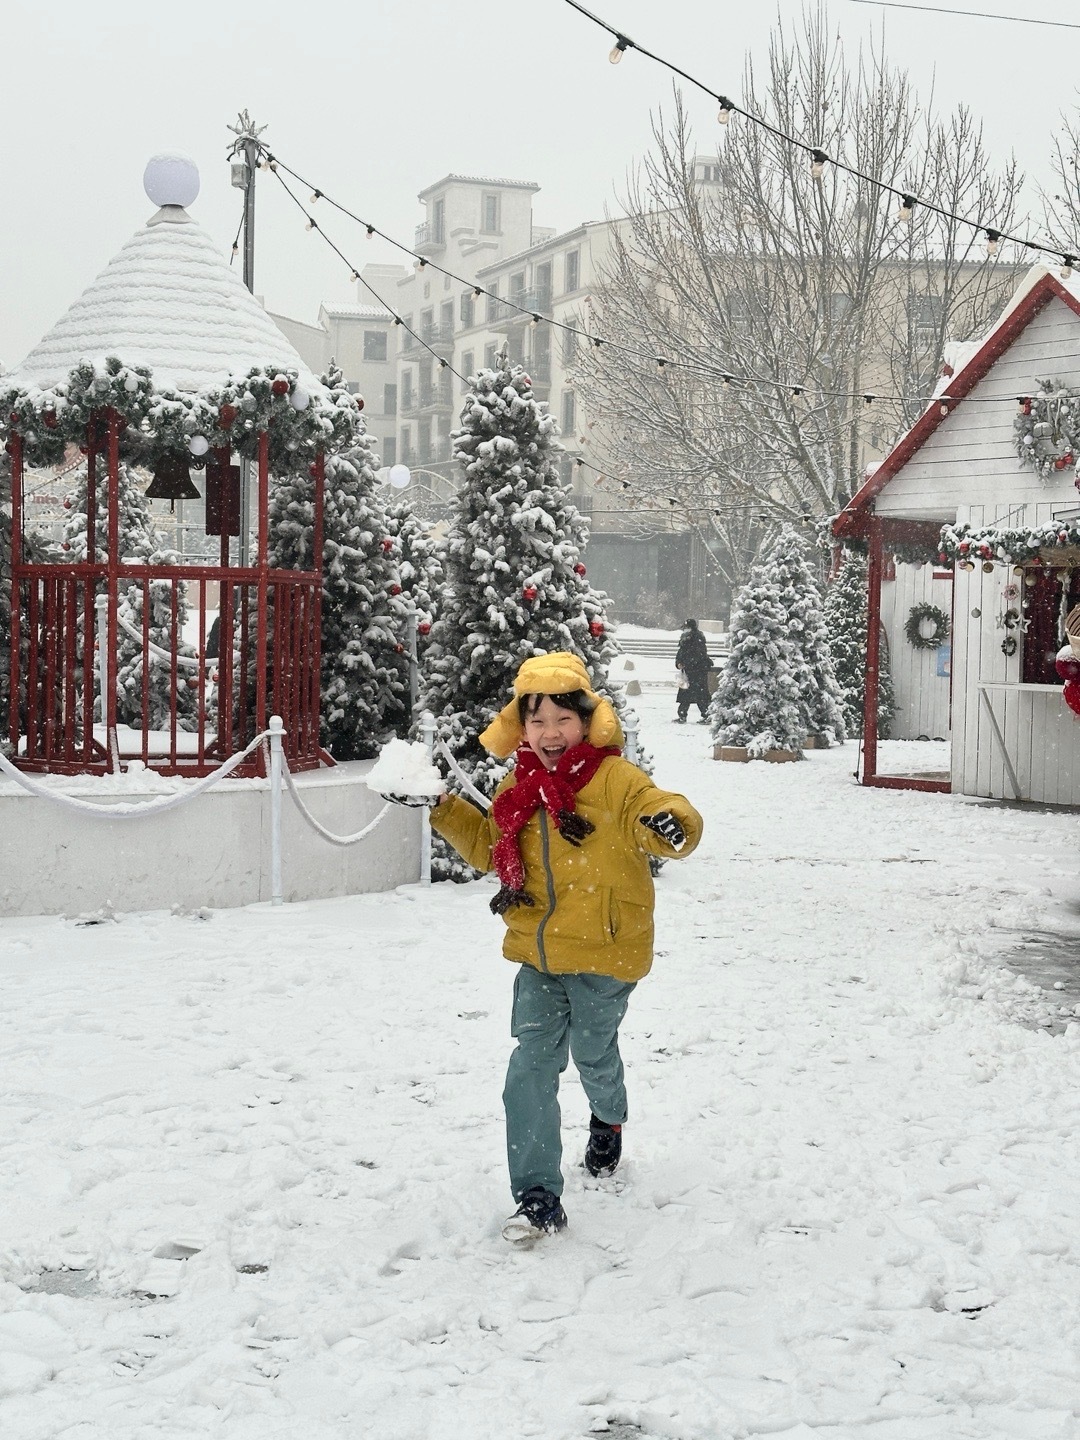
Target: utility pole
x: 244, y: 156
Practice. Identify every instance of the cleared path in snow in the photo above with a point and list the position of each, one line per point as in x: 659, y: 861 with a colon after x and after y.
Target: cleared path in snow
x: 848, y: 1207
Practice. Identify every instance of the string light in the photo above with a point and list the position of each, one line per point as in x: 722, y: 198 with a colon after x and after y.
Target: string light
x: 315, y: 195
x: 818, y: 161
x: 943, y: 407
x: 869, y: 400
x: 370, y: 231
x: 621, y: 44
x: 421, y: 263
x: 907, y: 207
x: 796, y: 390
x: 726, y: 107
x: 536, y: 318
x: 355, y: 275
x: 477, y: 292
x: 993, y: 240
x: 311, y: 224
x: 1067, y: 264
x: 660, y: 362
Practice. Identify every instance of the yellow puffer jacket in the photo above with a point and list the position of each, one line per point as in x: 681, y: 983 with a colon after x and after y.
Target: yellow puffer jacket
x: 594, y: 904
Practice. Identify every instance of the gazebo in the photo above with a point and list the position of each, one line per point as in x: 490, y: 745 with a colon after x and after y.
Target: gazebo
x: 168, y: 363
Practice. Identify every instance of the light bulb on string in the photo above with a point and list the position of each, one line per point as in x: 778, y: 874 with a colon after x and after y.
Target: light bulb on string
x: 1068, y: 263
x: 536, y: 318
x: 907, y: 208
x: 993, y: 240
x: 315, y: 195
x: 421, y: 263
x: 370, y: 230
x: 311, y: 224
x: 726, y: 107
x: 868, y: 400
x: 477, y: 292
x: 621, y: 44
x: 818, y: 161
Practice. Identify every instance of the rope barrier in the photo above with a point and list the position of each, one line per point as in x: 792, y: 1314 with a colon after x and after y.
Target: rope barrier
x: 475, y: 794
x: 290, y: 784
x: 126, y: 811
x: 189, y: 662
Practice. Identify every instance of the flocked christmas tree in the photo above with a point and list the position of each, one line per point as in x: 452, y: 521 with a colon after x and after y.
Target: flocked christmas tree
x: 758, y: 702
x: 138, y: 541
x: 34, y: 552
x: 845, y: 614
x: 516, y: 585
x: 364, y: 695
x: 420, y: 574
x: 819, y: 694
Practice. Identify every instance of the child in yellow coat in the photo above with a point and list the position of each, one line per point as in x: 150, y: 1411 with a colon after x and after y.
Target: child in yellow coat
x: 569, y: 834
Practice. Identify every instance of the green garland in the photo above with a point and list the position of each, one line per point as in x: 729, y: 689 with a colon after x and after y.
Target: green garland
x: 1016, y: 545
x: 159, y: 422
x: 1048, y: 429
x: 913, y: 630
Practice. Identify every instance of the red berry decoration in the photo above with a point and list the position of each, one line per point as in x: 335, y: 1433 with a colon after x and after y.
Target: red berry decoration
x: 388, y: 544
x: 226, y: 415
x: 280, y: 386
x: 399, y: 649
x: 1071, y: 694
x: 964, y: 546
x: 395, y: 589
x: 424, y: 628
x: 65, y: 546
x: 596, y: 628
x: 579, y: 569
x: 530, y: 593
x: 359, y: 401
x: 213, y: 676
x: 67, y: 504
x: 49, y: 419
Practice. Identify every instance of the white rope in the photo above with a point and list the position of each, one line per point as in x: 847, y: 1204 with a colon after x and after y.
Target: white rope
x: 321, y: 829
x: 189, y: 662
x: 125, y: 811
x: 481, y: 799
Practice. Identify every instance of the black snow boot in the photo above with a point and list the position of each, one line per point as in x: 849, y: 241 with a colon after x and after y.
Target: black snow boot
x: 540, y: 1213
x: 604, y: 1150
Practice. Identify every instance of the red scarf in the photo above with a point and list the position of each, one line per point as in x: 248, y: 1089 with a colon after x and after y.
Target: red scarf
x: 535, y: 785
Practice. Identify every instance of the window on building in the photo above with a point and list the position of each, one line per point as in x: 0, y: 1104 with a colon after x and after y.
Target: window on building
x: 517, y: 285
x: 541, y: 356
x: 738, y: 310
x: 468, y: 361
x: 468, y: 310
x: 389, y: 400
x: 438, y: 222
x: 834, y: 308
x: 407, y: 391
x: 709, y: 173
x: 542, y: 281
x: 490, y: 353
x: 427, y: 289
x: 925, y: 312
x: 427, y: 324
x: 374, y: 344
x: 1043, y: 637
x: 493, y: 300
x: 569, y: 413
x: 406, y: 445
x: 447, y: 318
x: 489, y: 214
x: 389, y: 450
x: 569, y: 347
x: 572, y: 271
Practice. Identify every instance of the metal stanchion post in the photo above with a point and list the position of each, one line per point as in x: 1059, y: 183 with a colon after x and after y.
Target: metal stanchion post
x: 277, y: 734
x: 101, y: 605
x: 427, y: 735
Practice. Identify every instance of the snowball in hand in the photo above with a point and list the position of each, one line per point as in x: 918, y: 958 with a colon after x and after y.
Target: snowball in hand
x: 404, y: 769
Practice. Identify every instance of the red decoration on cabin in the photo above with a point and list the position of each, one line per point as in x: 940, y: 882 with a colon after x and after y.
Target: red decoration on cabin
x: 596, y: 628
x: 226, y: 415
x: 49, y: 419
x: 1071, y: 695
x: 1067, y: 664
x: 280, y: 386
x: 530, y: 593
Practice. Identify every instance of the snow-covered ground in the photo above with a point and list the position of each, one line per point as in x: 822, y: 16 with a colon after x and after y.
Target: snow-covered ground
x: 848, y: 1207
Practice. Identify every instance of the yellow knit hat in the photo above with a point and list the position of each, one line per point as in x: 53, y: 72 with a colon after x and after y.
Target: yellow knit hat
x: 557, y: 674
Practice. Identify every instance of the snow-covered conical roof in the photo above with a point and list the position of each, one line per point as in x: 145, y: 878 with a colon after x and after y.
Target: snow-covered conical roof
x: 170, y: 300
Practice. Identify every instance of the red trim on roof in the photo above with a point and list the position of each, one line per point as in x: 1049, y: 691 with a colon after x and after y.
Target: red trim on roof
x: 851, y: 520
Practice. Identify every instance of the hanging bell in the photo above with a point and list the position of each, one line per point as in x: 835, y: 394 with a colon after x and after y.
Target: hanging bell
x: 172, y: 480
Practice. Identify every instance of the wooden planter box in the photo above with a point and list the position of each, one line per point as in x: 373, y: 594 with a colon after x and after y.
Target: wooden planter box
x: 815, y: 742
x: 740, y: 754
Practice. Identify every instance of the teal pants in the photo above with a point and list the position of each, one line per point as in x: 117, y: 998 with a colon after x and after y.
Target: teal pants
x: 556, y: 1016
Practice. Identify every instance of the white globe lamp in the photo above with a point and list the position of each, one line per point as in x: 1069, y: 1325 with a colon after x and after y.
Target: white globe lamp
x: 171, y: 179
x: 400, y: 476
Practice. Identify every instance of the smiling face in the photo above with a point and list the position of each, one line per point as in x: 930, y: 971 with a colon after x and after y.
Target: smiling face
x: 550, y: 730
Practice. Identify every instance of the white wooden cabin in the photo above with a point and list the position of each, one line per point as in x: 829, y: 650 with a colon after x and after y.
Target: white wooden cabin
x: 1012, y: 735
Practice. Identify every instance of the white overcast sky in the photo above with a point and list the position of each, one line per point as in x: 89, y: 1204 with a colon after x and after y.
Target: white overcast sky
x: 375, y: 99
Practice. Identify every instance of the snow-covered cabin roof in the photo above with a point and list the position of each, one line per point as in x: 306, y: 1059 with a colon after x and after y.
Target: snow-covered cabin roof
x: 169, y: 300
x: 972, y: 361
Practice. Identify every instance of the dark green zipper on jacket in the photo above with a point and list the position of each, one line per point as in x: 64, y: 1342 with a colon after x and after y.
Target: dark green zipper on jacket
x: 546, y: 851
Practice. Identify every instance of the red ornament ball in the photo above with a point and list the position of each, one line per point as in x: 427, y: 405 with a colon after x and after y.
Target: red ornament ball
x: 226, y: 415
x: 388, y: 544
x: 1059, y: 463
x: 596, y: 628
x: 579, y: 569
x: 530, y: 593
x: 214, y: 676
x: 65, y: 546
x: 399, y: 649
x: 49, y: 419
x: 1068, y: 457
x: 424, y: 628
x: 964, y: 546
x: 395, y: 589
x: 1063, y: 537
x: 1071, y: 693
x: 359, y: 401
x: 280, y: 386
x: 1067, y: 664
x: 67, y: 504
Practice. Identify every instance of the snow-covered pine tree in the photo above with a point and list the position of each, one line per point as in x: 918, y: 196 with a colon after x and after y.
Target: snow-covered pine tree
x: 34, y: 552
x: 516, y: 584
x: 788, y: 559
x: 845, y: 615
x: 138, y: 540
x: 364, y: 697
x: 420, y: 574
x: 758, y: 701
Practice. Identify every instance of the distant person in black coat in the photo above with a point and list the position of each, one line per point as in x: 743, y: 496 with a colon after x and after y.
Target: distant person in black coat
x: 692, y: 658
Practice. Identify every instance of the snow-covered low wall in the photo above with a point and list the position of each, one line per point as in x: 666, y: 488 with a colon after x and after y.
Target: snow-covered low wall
x: 212, y: 852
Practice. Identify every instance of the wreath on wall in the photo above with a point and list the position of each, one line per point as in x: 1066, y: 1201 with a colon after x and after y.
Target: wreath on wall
x: 915, y: 621
x: 1048, y: 429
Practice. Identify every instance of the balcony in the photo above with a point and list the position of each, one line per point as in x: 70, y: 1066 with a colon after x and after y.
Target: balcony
x: 428, y: 240
x: 409, y: 343
x: 532, y: 302
x: 408, y: 404
x: 438, y: 335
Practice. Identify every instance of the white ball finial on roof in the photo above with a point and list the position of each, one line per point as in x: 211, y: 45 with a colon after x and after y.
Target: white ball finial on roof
x: 171, y: 179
